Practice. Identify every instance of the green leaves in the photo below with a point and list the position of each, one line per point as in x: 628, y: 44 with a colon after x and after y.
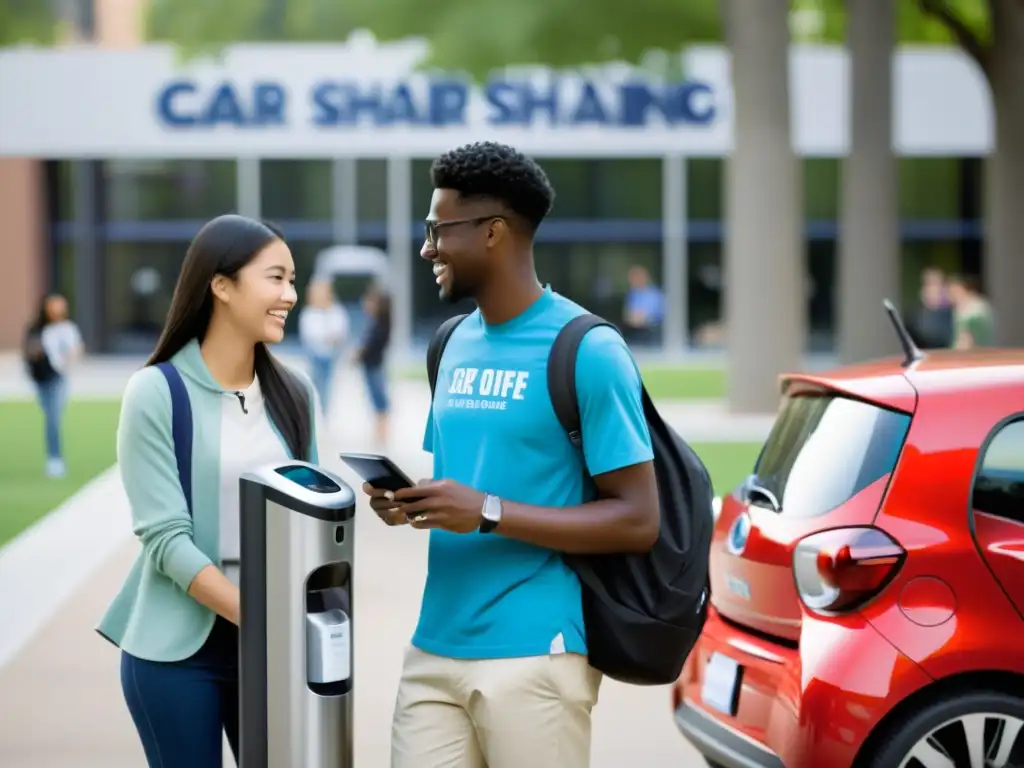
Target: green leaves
x: 27, y: 21
x: 479, y: 36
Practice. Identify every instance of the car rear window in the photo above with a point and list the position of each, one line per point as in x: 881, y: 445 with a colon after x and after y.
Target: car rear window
x: 823, y: 450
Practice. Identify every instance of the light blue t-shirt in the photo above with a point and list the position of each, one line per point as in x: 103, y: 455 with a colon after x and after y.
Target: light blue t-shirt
x: 492, y: 427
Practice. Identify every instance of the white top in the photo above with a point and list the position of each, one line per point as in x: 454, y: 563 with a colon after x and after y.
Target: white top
x: 60, y: 340
x: 323, y: 330
x: 247, y: 441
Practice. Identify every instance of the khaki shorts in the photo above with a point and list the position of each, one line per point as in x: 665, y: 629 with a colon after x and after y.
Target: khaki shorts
x: 531, y: 712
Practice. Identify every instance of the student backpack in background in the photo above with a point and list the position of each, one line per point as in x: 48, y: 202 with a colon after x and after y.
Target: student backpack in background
x: 37, y: 362
x: 643, y: 612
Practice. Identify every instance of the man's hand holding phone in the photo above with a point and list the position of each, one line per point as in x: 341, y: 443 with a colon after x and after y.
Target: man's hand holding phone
x: 383, y: 502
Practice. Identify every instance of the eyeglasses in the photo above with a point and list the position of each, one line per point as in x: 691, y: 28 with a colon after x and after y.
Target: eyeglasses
x: 432, y: 227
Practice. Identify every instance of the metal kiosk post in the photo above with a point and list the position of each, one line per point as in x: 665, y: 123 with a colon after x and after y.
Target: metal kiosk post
x: 295, y: 675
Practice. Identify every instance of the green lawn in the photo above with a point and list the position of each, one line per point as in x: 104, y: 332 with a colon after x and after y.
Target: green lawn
x: 89, y: 434
x: 728, y: 463
x: 662, y: 381
x: 26, y: 493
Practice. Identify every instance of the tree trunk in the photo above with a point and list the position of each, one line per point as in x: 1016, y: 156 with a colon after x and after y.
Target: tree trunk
x: 1004, y: 174
x: 869, y: 246
x: 765, y: 297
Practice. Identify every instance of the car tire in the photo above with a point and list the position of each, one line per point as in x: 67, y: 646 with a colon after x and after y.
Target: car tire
x: 941, y: 727
x: 713, y: 764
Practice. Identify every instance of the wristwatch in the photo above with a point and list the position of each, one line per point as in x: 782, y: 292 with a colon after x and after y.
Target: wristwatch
x: 490, y: 514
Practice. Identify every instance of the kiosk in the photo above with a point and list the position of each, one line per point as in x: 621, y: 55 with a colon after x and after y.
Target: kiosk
x: 295, y: 675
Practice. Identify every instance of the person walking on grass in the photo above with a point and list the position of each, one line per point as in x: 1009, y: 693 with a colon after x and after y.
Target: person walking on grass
x: 53, y: 344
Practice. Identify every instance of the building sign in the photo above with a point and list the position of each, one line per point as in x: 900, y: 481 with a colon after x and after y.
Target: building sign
x: 437, y: 103
x: 359, y: 100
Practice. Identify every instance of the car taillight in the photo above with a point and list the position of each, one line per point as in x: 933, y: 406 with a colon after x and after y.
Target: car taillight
x: 841, y: 569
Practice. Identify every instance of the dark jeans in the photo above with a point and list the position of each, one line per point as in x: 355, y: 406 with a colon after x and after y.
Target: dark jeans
x: 181, y: 708
x: 377, y: 387
x: 52, y: 398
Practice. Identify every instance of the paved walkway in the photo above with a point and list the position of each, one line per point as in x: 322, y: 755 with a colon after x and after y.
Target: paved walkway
x: 60, y: 698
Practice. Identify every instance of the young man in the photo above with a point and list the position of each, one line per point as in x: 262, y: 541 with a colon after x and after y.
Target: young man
x: 497, y: 674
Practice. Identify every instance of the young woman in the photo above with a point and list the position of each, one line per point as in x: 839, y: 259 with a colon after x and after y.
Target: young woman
x: 52, y: 344
x: 377, y: 306
x: 323, y: 330
x: 176, y: 616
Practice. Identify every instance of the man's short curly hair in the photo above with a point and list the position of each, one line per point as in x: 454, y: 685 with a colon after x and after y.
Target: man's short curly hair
x: 488, y: 169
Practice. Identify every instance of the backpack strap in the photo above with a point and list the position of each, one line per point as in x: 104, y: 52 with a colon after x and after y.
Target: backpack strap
x: 181, y: 428
x: 562, y: 373
x: 436, y: 348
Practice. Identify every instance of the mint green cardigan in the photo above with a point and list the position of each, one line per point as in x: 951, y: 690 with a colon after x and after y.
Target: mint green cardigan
x: 153, y: 617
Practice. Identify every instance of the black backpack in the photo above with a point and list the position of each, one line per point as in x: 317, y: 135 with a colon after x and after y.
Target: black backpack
x: 37, y: 362
x: 643, y: 612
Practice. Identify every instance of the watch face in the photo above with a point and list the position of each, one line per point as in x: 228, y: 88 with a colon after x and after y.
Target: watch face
x: 491, y: 514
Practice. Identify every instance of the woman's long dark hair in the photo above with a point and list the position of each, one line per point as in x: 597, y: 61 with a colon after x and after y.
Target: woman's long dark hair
x: 222, y: 247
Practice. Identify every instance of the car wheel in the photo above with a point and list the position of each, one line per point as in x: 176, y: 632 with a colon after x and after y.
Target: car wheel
x: 984, y: 729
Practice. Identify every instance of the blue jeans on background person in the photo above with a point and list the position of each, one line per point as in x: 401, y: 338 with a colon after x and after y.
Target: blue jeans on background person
x: 321, y: 371
x: 181, y: 708
x: 377, y: 386
x: 52, y: 399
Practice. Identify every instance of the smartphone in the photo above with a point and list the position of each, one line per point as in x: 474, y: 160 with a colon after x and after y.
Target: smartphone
x: 378, y: 471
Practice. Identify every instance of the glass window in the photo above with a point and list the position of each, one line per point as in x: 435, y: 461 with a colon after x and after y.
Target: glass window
x: 575, y: 187
x: 584, y: 189
x: 63, y: 279
x: 141, y: 190
x: 929, y: 188
x: 372, y: 178
x: 705, y: 283
x: 999, y: 489
x: 705, y: 179
x: 821, y: 295
x: 627, y: 189
x: 62, y: 192
x: 140, y: 280
x: 824, y: 450
x: 296, y: 189
x: 822, y: 177
x: 422, y: 189
x: 594, y: 275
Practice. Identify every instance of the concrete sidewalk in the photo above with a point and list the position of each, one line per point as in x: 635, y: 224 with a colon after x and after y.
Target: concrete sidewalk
x: 60, y: 697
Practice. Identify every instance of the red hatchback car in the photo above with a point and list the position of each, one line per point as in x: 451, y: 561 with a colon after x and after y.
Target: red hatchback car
x: 868, y: 578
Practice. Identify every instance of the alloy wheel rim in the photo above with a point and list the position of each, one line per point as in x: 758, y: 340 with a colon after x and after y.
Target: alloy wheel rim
x: 974, y: 740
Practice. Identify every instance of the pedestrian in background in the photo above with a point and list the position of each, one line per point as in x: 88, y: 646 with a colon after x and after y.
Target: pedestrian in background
x: 934, y: 321
x: 323, y: 331
x: 377, y: 306
x: 974, y: 320
x: 52, y: 344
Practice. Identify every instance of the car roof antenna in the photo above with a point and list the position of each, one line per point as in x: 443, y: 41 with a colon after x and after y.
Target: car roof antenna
x: 911, y: 353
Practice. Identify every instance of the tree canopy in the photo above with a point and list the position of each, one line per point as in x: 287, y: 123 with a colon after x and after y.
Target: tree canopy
x: 480, y: 36
x: 27, y: 22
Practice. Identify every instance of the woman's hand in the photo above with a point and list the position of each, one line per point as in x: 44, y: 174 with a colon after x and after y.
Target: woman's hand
x: 216, y: 591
